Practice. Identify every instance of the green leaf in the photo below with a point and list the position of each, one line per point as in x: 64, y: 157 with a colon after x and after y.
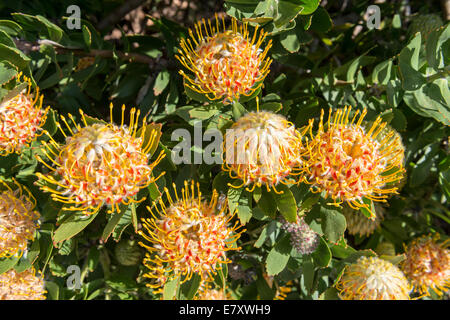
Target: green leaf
x: 238, y: 110
x: 87, y: 37
x: 278, y: 257
x: 286, y: 203
x: 437, y: 48
x: 189, y: 288
x: 7, y: 264
x: 170, y: 289
x: 333, y: 224
x: 308, y: 274
x: 72, y: 226
x: 382, y: 72
x: 408, y: 62
x: 322, y: 255
x: 321, y: 20
x: 161, y: 82
x: 14, y: 56
x: 52, y: 289
x: 267, y: 203
x: 10, y: 27
x: 7, y: 73
x: 39, y: 23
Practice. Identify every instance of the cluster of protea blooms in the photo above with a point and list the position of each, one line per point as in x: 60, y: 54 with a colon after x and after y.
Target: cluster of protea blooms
x: 224, y: 63
x: 188, y: 235
x: 100, y: 163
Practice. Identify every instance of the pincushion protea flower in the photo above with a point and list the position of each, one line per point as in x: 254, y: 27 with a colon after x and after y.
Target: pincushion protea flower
x: 207, y: 292
x: 348, y: 162
x: 21, y: 119
x: 21, y: 286
x: 100, y: 163
x: 187, y: 236
x: 427, y: 264
x: 225, y: 63
x: 358, y: 223
x: 263, y: 148
x: 372, y: 278
x: 18, y: 219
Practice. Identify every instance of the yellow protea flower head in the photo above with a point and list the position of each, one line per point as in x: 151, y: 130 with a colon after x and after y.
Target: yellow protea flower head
x: 21, y: 119
x: 100, y: 163
x: 427, y: 264
x: 225, y: 63
x: 21, y: 286
x: 18, y: 219
x: 189, y: 235
x: 358, y: 223
x: 283, y: 291
x: 349, y: 162
x: 263, y: 149
x: 372, y: 278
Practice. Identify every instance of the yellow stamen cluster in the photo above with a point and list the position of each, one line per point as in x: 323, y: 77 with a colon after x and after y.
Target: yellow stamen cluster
x: 263, y: 148
x: 225, y: 63
x: 18, y: 219
x: 372, y: 278
x: 21, y: 286
x: 358, y: 223
x: 348, y: 162
x: 187, y: 236
x: 427, y: 264
x: 100, y: 163
x: 21, y: 119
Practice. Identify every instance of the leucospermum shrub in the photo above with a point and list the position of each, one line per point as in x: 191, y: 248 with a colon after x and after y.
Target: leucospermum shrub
x: 275, y: 150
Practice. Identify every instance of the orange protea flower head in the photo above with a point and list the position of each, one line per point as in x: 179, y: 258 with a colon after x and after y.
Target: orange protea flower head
x: 372, y: 278
x: 99, y: 163
x: 21, y: 119
x: 21, y: 286
x: 225, y: 64
x: 18, y: 219
x: 358, y: 223
x: 427, y: 264
x: 263, y: 148
x: 348, y: 162
x: 189, y: 235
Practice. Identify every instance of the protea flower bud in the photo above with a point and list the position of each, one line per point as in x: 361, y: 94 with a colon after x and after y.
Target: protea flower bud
x: 349, y: 163
x: 372, y: 278
x: 263, y: 149
x: 303, y: 238
x: 128, y: 252
x: 427, y: 264
x: 100, y: 163
x: 21, y: 286
x: 224, y: 64
x: 187, y: 236
x: 18, y: 219
x: 21, y: 119
x: 358, y: 223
